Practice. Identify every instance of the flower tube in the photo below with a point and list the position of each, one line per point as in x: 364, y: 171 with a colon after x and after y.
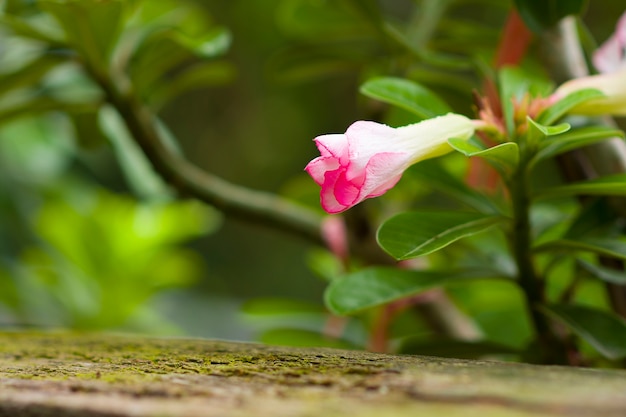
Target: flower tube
x: 612, y: 85
x: 370, y: 158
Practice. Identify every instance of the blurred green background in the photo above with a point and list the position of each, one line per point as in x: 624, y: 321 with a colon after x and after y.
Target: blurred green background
x: 84, y: 243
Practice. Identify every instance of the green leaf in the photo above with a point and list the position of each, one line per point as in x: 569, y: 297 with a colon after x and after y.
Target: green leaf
x: 609, y: 247
x: 212, y: 44
x: 41, y: 104
x: 379, y: 285
x: 574, y: 140
x: 614, y: 185
x: 537, y: 133
x: 561, y: 107
x: 413, y: 234
x: 407, y: 95
x: 91, y: 26
x: 540, y: 15
x: 603, y: 273
x: 31, y: 74
x: 37, y: 29
x: 606, y: 332
x: 137, y: 169
x: 504, y: 156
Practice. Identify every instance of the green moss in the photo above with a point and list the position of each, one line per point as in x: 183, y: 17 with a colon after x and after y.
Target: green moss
x: 254, y: 379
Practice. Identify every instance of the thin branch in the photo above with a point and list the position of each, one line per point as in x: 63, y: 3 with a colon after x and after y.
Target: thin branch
x: 237, y: 201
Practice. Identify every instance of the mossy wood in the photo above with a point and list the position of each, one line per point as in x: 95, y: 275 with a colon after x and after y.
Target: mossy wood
x: 57, y: 374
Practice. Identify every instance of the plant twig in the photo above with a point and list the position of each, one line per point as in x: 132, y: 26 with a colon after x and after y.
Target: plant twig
x: 250, y: 205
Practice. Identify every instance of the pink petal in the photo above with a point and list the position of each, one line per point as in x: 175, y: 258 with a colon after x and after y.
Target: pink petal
x: 318, y: 167
x: 334, y: 145
x: 609, y: 56
x: 383, y: 171
x: 367, y: 138
x: 327, y: 194
x: 347, y: 192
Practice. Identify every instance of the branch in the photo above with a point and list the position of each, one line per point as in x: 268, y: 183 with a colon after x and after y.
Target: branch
x: 250, y: 205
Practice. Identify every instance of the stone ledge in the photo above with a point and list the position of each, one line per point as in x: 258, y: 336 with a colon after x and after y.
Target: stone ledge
x: 60, y: 374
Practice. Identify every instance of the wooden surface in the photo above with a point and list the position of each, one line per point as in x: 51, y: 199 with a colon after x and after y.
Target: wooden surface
x: 56, y: 374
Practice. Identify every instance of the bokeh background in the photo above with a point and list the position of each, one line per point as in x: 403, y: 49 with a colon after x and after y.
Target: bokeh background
x: 83, y: 243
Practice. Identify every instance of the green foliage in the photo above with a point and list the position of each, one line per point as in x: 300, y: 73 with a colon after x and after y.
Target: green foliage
x: 407, y: 95
x: 376, y: 286
x: 413, y: 234
x: 81, y: 81
x: 604, y: 331
x: 578, y: 138
x: 607, y: 185
x: 504, y: 156
x: 91, y: 27
x: 107, y: 257
x: 559, y: 109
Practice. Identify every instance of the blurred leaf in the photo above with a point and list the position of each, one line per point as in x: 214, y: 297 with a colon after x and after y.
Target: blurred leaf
x: 561, y: 107
x: 607, y: 185
x: 376, y: 286
x: 407, y: 95
x: 573, y: 140
x: 605, y: 331
x: 110, y: 254
x: 30, y: 75
x: 137, y: 168
x: 450, y: 348
x: 417, y: 233
x: 604, y: 246
x: 305, y: 338
x: 41, y: 104
x: 603, y: 273
x: 540, y: 15
x: 596, y: 218
x: 213, y: 43
x: 39, y: 29
x: 168, y: 62
x: 324, y: 264
x: 35, y: 150
x: 504, y: 156
x: 91, y: 26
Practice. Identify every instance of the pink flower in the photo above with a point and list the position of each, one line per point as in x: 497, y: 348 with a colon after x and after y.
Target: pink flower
x: 611, y: 55
x: 370, y: 158
x: 610, y: 60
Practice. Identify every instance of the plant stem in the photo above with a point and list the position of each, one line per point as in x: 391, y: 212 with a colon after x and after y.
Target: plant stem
x: 531, y: 284
x: 246, y: 204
